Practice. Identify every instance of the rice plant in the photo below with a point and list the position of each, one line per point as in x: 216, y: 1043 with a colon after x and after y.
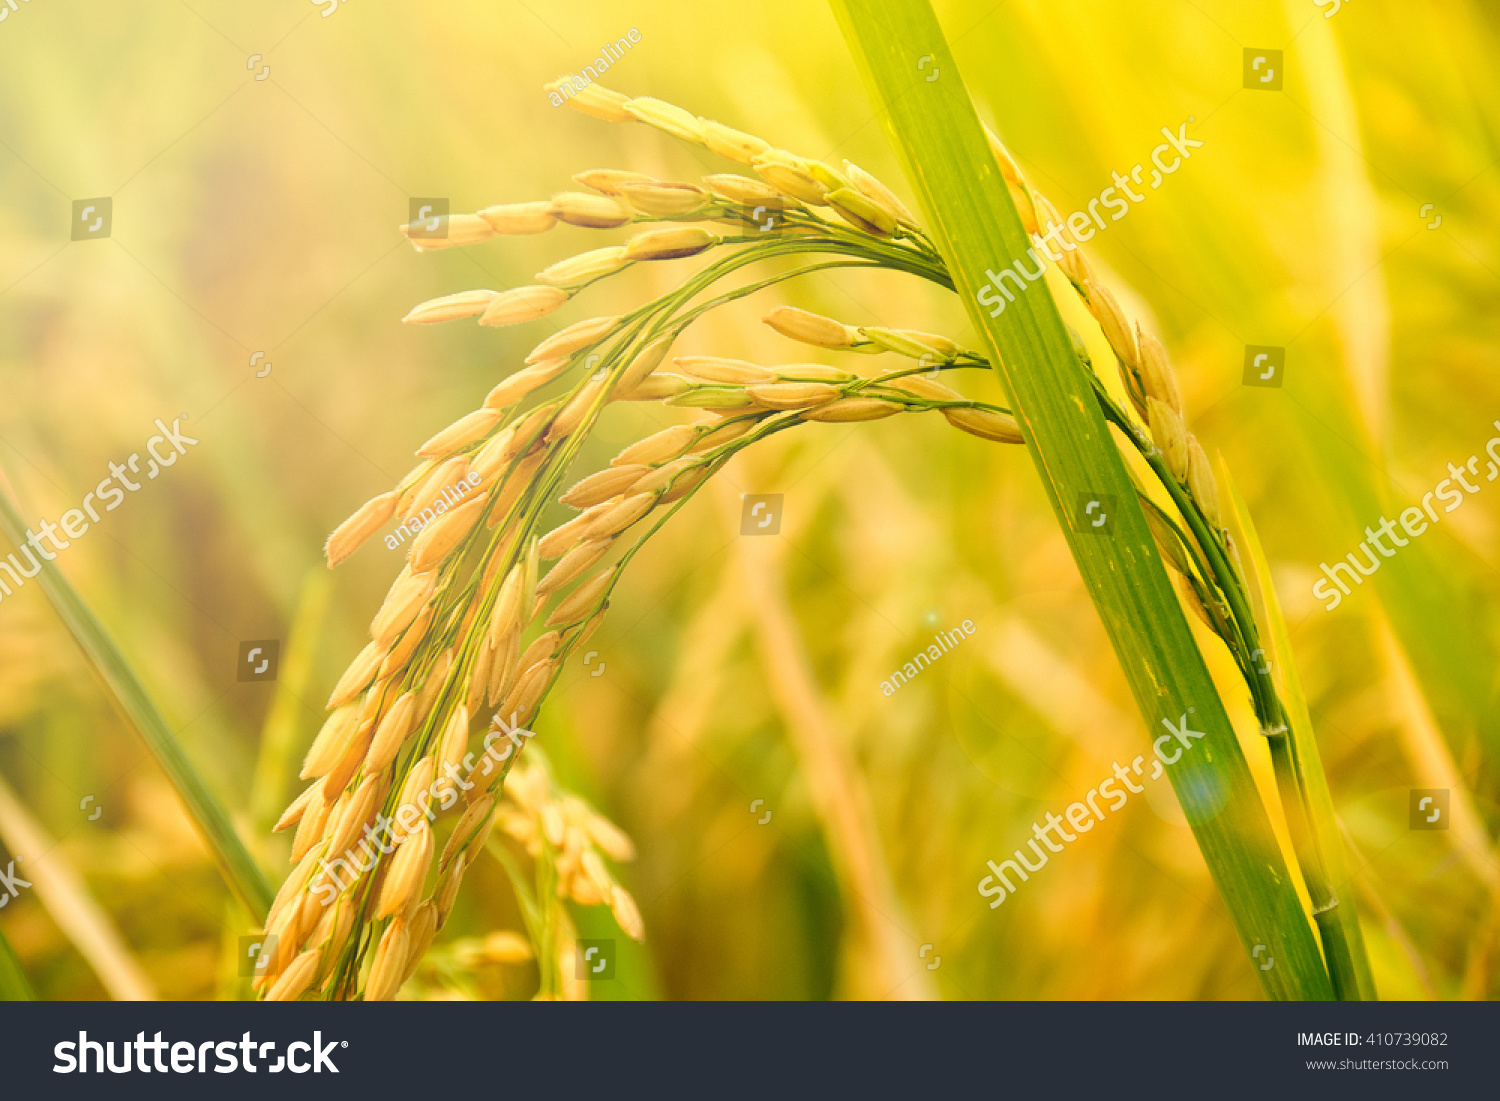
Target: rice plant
x: 434, y: 714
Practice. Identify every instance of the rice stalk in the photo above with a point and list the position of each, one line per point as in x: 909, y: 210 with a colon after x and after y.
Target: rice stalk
x: 478, y: 619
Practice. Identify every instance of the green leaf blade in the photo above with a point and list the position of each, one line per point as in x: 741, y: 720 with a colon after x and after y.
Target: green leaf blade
x: 239, y: 869
x: 967, y: 207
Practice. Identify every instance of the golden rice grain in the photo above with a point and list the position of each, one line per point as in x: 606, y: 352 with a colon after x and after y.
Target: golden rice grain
x: 582, y: 599
x: 504, y: 946
x: 627, y: 913
x: 541, y: 648
x: 985, y: 424
x: 791, y: 175
x: 1166, y: 539
x: 296, y: 978
x: 621, y: 515
x: 490, y: 458
x: 477, y: 845
x: 439, y: 478
x: 734, y: 145
x: 298, y: 879
x: 669, y: 243
x: 593, y: 867
x: 523, y: 304
x: 462, y: 230
x: 438, y: 539
x: 401, y: 606
x: 579, y: 208
x: 881, y: 194
x: 518, y: 219
x: 433, y: 684
x: 666, y: 117
x: 506, y: 615
x: 1020, y: 194
x: 516, y: 483
x: 681, y: 488
x: 743, y: 190
x: 792, y: 395
x: 575, y: 337
x: 408, y: 872
x: 528, y: 690
x: 349, y: 536
x: 1170, y: 436
x: 722, y: 433
x: 418, y: 780
x: 604, y: 833
x: 505, y: 666
x: 810, y: 328
x: 342, y: 772
x: 466, y: 429
x: 391, y: 733
x: 298, y: 806
x: 554, y: 825
x: 447, y: 892
x: 456, y: 734
x: 847, y: 410
x: 575, y: 271
x: 1201, y: 482
x: 472, y: 818
x: 352, y: 823
x: 924, y: 387
x: 1008, y: 169
x: 929, y: 347
x: 862, y: 212
x: 335, y: 736
x: 1117, y: 330
x: 667, y: 444
x: 576, y: 561
x: 735, y: 372
x: 602, y: 485
x: 451, y: 307
x: 557, y: 541
x: 609, y: 181
x: 1157, y: 377
x: 593, y: 99
x: 655, y: 199
x: 310, y: 829
x: 407, y: 645
x: 423, y: 928
x: 655, y: 387
x: 389, y: 964
x: 576, y: 410
x: 515, y: 387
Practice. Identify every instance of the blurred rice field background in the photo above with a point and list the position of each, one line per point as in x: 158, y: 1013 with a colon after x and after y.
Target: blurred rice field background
x: 256, y: 211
